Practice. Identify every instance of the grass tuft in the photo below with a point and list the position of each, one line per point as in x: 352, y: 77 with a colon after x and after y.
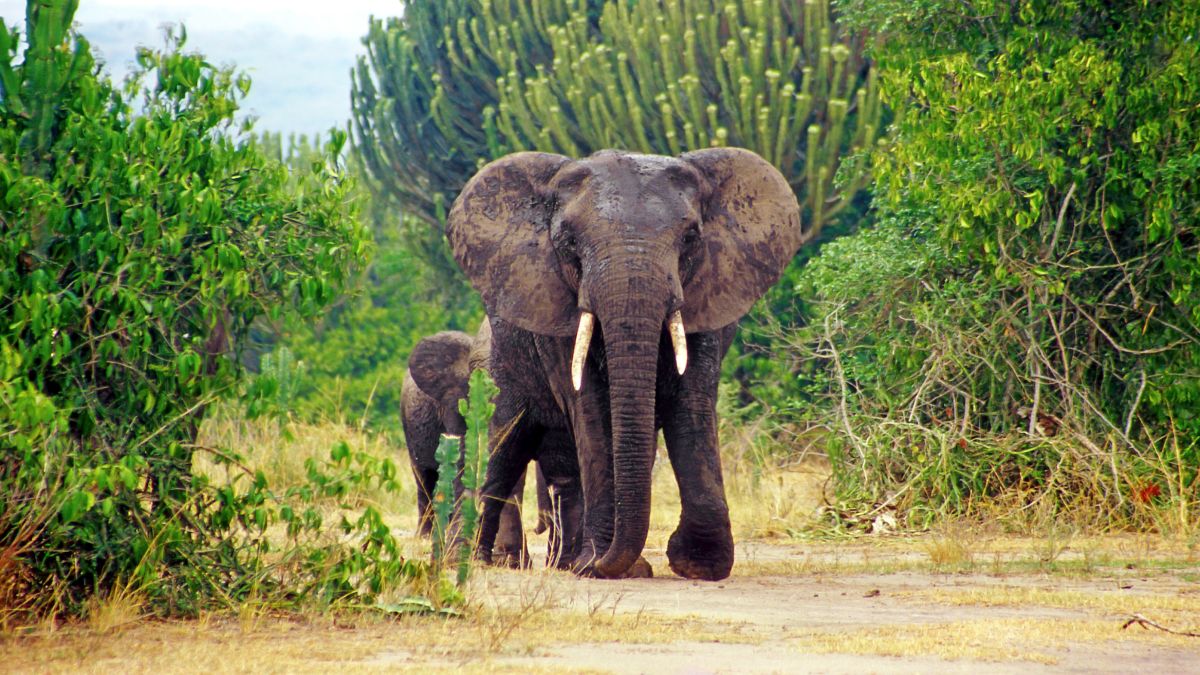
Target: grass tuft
x: 116, y: 609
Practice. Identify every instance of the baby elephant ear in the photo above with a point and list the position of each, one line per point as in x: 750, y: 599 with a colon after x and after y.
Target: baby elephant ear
x: 439, y: 366
x: 750, y: 231
x: 499, y: 232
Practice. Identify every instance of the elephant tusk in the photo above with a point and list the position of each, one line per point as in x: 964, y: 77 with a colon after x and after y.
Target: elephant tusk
x: 582, y: 339
x: 678, y: 340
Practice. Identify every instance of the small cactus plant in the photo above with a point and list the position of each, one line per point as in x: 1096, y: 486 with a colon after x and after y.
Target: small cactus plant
x: 462, y: 469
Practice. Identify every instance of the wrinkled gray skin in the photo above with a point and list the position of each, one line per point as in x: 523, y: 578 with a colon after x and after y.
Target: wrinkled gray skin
x: 630, y: 239
x: 438, y: 372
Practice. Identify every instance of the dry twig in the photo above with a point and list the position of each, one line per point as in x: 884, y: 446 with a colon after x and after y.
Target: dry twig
x: 1147, y: 624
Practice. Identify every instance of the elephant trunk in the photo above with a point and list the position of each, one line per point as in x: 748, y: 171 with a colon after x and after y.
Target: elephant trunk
x: 631, y: 344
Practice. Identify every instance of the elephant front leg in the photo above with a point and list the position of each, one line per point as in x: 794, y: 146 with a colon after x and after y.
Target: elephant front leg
x: 506, y: 466
x: 702, y: 546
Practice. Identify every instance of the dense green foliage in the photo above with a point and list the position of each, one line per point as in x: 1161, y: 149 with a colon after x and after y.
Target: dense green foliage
x: 348, y: 364
x: 1025, y: 318
x: 141, y: 235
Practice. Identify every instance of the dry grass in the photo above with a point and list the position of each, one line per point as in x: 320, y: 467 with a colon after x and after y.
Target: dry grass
x: 1104, y: 556
x: 115, y: 610
x: 516, y: 615
x: 281, y: 451
x: 948, y: 552
x: 505, y: 620
x: 997, y: 640
x: 766, y: 500
x: 1117, y: 601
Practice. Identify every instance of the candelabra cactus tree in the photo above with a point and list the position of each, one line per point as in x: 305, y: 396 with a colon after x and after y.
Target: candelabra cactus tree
x: 50, y: 68
x: 676, y: 75
x: 575, y: 76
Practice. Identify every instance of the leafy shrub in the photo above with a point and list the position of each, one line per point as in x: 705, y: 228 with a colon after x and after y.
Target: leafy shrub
x: 1025, y: 315
x: 349, y: 361
x: 140, y: 236
x: 353, y: 356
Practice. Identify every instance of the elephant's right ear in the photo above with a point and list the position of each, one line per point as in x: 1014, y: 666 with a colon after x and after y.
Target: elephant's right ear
x: 439, y: 366
x: 499, y: 232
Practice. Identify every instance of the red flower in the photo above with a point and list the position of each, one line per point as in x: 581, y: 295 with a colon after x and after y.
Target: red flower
x: 1147, y: 492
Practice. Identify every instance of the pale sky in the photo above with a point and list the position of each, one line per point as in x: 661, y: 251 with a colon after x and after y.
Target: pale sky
x: 298, y: 53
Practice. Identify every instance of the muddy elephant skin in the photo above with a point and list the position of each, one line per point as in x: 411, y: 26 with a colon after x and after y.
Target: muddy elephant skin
x: 613, y: 285
x: 439, y: 369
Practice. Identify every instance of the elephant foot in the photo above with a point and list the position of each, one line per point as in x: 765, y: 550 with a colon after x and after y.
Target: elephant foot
x: 583, y: 563
x: 511, y: 558
x: 640, y: 569
x: 563, y: 560
x: 707, y: 557
x: 483, y: 557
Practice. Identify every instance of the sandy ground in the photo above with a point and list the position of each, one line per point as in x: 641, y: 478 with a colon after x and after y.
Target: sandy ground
x: 807, y: 622
x: 860, y: 606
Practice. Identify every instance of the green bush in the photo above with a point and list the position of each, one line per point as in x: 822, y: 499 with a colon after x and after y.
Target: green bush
x: 354, y: 357
x: 349, y: 361
x: 141, y: 234
x: 1031, y: 287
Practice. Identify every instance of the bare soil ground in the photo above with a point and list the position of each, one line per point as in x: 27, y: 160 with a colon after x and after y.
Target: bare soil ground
x: 891, y: 604
x: 882, y: 613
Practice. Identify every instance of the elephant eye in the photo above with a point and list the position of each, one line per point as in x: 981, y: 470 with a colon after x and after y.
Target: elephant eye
x: 564, y: 237
x: 692, y: 234
x: 569, y: 242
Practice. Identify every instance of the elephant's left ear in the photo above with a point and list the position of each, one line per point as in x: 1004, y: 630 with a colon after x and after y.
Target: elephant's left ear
x: 751, y: 230
x: 440, y: 366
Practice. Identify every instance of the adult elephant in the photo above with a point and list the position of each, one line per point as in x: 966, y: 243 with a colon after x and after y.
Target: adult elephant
x: 439, y: 369
x: 656, y: 258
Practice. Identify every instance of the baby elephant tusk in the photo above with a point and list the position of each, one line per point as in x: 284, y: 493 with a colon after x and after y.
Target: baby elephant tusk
x: 582, y: 339
x: 678, y: 340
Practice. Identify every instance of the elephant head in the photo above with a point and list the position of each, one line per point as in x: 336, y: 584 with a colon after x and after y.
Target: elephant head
x: 647, y: 246
x: 441, y: 365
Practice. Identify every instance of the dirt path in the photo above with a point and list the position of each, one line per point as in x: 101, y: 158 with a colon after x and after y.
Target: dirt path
x: 871, y: 614
x: 1000, y: 605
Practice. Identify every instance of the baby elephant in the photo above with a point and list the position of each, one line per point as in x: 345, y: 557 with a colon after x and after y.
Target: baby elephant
x: 438, y: 371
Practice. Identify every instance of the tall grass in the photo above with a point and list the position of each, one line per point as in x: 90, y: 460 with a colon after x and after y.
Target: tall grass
x: 285, y: 451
